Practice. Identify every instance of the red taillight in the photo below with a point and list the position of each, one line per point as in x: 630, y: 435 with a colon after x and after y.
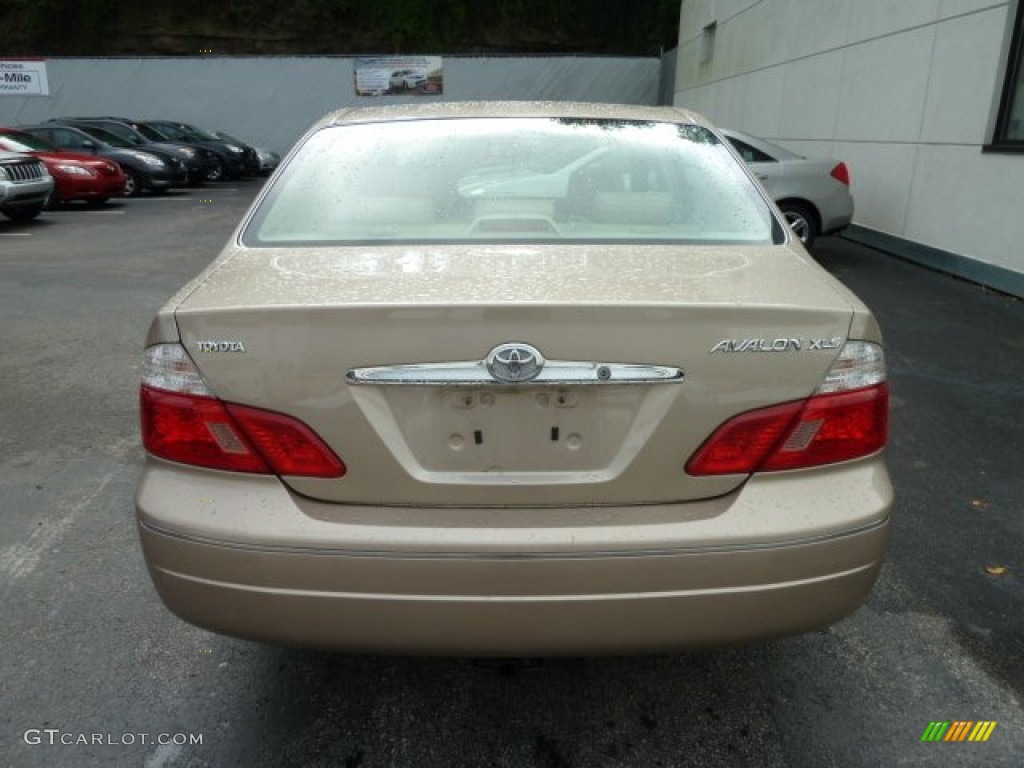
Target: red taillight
x: 741, y: 444
x: 193, y: 429
x: 822, y: 430
x: 288, y: 445
x: 203, y: 431
x: 833, y: 428
x: 841, y: 174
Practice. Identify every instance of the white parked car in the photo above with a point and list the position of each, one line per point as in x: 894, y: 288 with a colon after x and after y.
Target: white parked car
x: 407, y: 79
x: 812, y: 193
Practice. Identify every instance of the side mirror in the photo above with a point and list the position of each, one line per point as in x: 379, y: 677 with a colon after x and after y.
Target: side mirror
x: 90, y: 145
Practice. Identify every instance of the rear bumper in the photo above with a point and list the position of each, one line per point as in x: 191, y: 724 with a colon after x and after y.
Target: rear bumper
x: 656, y: 602
x: 836, y: 211
x: 511, y: 591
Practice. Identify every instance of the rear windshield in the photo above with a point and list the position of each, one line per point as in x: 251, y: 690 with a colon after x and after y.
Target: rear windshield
x: 512, y: 180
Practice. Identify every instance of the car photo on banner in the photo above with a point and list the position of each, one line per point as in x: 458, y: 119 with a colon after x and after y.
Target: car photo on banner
x: 398, y: 75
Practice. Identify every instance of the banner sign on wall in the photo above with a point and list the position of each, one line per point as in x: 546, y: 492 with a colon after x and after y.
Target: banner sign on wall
x: 399, y: 75
x: 23, y: 77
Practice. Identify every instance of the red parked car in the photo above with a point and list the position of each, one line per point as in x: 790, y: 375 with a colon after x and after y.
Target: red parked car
x: 76, y: 176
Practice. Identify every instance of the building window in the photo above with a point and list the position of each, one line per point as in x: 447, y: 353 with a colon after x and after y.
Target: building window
x: 1009, y: 133
x: 707, y: 42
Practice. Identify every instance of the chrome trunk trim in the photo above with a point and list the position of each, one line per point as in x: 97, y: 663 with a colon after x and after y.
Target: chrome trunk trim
x: 474, y: 373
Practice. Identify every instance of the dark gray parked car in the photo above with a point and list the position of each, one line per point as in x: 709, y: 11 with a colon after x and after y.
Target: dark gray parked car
x: 198, y: 160
x: 142, y: 169
x: 235, y: 159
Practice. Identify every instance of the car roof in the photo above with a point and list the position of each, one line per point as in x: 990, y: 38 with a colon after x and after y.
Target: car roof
x: 478, y: 109
x: 92, y: 122
x: 85, y: 130
x: 105, y: 118
x: 50, y: 125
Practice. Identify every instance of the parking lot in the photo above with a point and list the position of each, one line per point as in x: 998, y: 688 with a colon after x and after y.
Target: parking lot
x: 90, y: 651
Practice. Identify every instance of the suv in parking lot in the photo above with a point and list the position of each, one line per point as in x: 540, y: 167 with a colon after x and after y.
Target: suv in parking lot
x: 24, y: 186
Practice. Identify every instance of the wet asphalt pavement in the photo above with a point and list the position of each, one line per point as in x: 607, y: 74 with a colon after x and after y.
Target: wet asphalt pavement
x: 89, y: 652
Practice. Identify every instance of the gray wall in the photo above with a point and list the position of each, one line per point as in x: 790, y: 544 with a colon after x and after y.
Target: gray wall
x: 271, y: 101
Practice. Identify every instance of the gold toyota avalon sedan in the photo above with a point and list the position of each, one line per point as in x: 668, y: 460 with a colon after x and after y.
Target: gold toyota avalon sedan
x: 513, y: 379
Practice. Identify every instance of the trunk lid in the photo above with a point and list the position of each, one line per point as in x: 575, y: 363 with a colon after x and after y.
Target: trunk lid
x: 284, y: 329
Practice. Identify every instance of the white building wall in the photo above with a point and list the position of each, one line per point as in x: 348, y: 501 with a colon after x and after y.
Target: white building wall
x: 902, y: 90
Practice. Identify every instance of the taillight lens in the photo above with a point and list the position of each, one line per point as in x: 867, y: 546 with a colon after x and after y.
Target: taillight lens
x: 841, y: 174
x: 846, y: 418
x: 834, y: 428
x: 196, y: 430
x: 183, y: 421
x: 288, y: 446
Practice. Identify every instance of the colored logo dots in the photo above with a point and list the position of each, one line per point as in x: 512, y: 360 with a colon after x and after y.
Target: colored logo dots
x: 958, y: 730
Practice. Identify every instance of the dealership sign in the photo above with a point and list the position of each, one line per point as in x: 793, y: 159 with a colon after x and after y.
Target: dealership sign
x: 23, y: 77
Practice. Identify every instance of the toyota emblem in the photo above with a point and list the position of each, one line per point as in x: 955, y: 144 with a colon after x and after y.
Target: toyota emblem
x: 514, y: 362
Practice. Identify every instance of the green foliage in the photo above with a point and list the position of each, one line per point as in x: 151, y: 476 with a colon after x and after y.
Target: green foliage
x: 120, y: 27
x: 49, y: 25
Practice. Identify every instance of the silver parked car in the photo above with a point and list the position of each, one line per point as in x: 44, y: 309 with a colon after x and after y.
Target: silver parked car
x: 812, y: 193
x: 25, y: 185
x: 513, y: 380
